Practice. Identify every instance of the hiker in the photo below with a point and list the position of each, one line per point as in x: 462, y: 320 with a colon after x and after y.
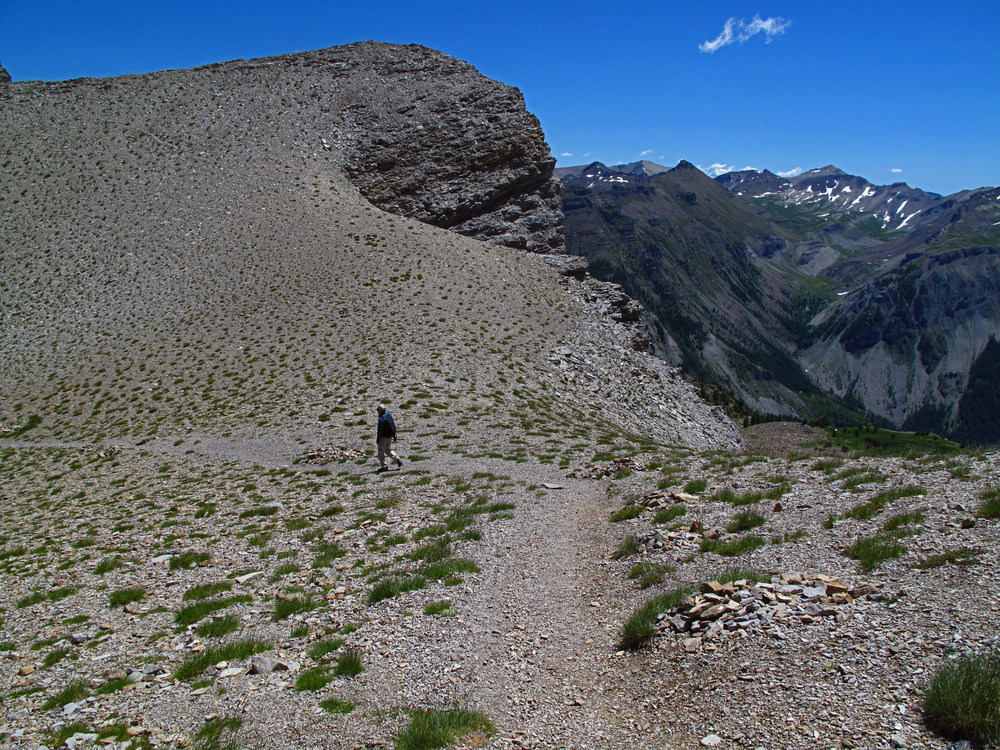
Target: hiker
x: 384, y: 437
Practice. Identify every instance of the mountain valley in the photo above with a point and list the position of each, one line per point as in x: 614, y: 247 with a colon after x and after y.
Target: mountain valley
x: 837, y: 295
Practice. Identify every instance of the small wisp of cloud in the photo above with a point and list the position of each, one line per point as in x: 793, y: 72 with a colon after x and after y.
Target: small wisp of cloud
x: 719, y: 168
x: 895, y: 170
x: 738, y: 30
x: 791, y: 173
x: 647, y: 152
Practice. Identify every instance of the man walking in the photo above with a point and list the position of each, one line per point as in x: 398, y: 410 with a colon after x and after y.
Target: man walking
x: 384, y: 437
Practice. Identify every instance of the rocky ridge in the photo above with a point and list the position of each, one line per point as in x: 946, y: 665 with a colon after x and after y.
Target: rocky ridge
x: 419, y: 133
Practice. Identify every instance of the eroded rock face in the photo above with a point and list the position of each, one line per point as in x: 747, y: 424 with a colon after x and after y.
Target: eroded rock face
x: 427, y: 136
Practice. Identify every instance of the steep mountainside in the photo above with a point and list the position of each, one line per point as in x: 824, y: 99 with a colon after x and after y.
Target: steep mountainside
x: 691, y: 253
x: 181, y: 250
x: 881, y: 297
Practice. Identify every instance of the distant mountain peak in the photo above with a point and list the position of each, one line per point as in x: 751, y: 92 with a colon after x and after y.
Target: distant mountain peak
x: 828, y: 171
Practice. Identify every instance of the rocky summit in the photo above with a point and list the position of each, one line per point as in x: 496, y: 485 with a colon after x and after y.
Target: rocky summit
x: 203, y: 307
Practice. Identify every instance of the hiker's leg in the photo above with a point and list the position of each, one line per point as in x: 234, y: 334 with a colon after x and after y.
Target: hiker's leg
x: 384, y: 446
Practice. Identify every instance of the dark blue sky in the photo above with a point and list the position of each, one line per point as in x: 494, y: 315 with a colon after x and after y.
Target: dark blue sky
x: 891, y: 90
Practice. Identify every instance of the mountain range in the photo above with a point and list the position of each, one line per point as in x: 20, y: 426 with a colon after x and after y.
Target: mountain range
x: 812, y: 296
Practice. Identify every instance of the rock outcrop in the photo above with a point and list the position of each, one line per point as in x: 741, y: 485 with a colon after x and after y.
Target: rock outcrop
x: 4, y: 75
x: 429, y: 137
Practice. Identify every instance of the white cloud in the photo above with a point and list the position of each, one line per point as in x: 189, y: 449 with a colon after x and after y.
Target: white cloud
x: 895, y: 170
x: 791, y: 172
x: 565, y: 153
x: 716, y: 169
x: 740, y: 31
x: 647, y: 152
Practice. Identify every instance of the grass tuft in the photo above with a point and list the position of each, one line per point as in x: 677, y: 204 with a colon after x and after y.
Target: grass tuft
x: 641, y: 624
x: 989, y: 503
x: 121, y: 597
x: 198, y: 663
x: 733, y: 547
x: 72, y: 693
x: 963, y: 699
x: 336, y: 706
x: 436, y: 728
x: 629, y: 546
x: 390, y: 587
x: 744, y: 521
x: 313, y: 679
x: 964, y: 556
x: 626, y: 513
x: 324, y: 646
x: 349, y: 663
x: 666, y: 515
x: 648, y: 573
x: 872, y: 551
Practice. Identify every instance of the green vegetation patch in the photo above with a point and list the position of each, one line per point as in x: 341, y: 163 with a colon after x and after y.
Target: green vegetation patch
x: 324, y: 646
x: 193, y: 612
x: 648, y: 573
x: 211, y: 734
x: 733, y: 547
x: 349, y: 663
x: 218, y: 627
x: 877, y: 503
x: 72, y: 693
x: 394, y: 586
x: 189, y: 559
x: 964, y: 556
x: 989, y: 503
x: 313, y: 679
x: 666, y: 515
x: 205, y: 590
x: 336, y: 706
x: 626, y: 513
x: 437, y: 728
x: 872, y: 551
x: 641, y: 624
x: 875, y: 441
x: 963, y: 699
x: 195, y: 664
x: 285, y: 608
x: 744, y: 521
x: 121, y: 597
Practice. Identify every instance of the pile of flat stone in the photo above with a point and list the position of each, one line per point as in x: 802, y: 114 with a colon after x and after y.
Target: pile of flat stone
x: 721, y: 609
x: 608, y: 470
x: 665, y: 498
x: 103, y: 451
x: 333, y: 453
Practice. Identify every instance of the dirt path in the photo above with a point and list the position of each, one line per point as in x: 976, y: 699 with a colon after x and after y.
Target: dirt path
x: 544, y: 622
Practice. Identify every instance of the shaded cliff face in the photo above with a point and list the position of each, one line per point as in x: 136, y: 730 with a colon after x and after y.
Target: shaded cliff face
x: 419, y: 133
x: 904, y: 344
x: 426, y: 136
